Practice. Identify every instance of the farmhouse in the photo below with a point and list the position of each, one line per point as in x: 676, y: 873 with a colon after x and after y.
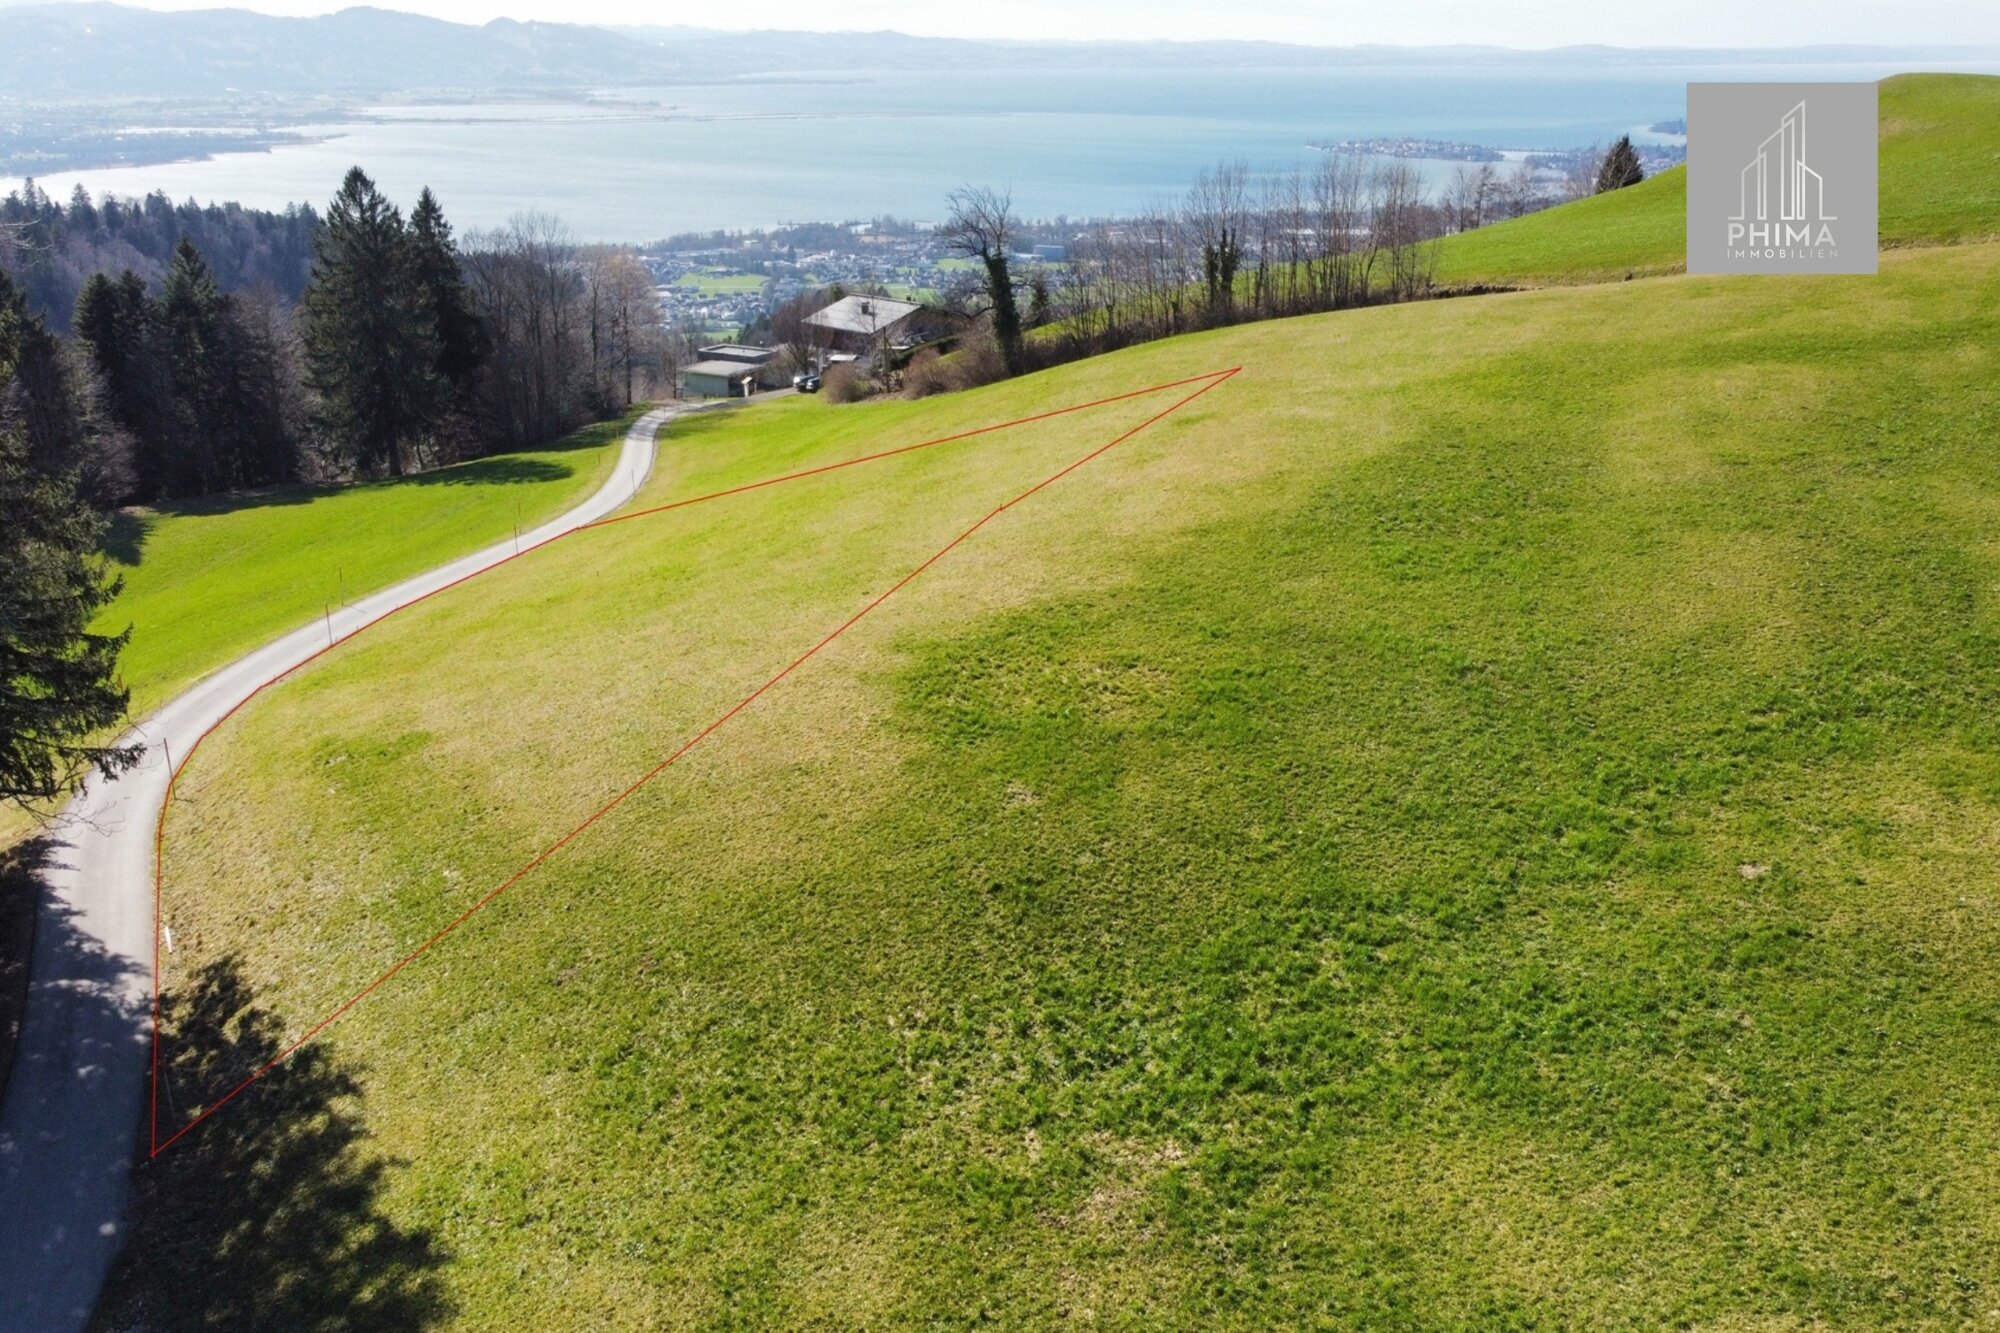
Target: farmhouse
x: 879, y: 330
x: 860, y: 324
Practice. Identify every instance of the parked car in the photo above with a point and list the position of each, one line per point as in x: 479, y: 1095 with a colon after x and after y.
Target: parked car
x: 806, y: 381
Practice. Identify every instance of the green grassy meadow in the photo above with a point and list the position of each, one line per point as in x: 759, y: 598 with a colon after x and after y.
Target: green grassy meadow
x: 1939, y: 182
x: 707, y: 282
x: 207, y: 580
x: 1485, y: 820
x: 1641, y: 230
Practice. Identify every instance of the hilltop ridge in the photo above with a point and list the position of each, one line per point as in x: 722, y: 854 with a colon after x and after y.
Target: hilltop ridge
x: 1939, y: 184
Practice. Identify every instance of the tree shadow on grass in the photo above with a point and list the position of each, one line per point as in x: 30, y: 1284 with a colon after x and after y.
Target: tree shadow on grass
x: 594, y: 436
x: 506, y: 470
x: 125, y: 535
x: 125, y: 539
x: 267, y: 1214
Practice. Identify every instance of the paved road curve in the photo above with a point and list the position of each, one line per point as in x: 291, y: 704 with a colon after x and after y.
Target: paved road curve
x: 70, y: 1124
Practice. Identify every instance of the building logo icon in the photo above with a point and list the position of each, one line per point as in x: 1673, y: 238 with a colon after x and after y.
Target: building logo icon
x: 1757, y: 199
x: 1778, y: 185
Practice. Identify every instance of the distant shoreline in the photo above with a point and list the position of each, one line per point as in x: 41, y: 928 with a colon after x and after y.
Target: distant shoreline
x: 727, y: 156
x: 47, y: 165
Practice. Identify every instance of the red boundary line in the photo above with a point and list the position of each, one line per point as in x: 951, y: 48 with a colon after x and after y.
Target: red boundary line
x: 1207, y: 382
x: 906, y: 449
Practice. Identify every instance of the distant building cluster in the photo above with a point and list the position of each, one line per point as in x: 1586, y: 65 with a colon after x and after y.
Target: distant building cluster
x: 1434, y: 150
x: 717, y: 284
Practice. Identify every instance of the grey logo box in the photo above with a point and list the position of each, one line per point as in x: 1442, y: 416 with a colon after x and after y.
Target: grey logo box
x: 1781, y: 178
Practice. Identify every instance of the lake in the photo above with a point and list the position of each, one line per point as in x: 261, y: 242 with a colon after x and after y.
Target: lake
x: 637, y: 166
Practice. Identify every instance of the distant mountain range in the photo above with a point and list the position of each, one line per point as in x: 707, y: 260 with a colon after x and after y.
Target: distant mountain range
x: 85, y: 50
x: 89, y: 50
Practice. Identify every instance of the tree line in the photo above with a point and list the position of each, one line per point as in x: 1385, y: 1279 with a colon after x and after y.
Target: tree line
x: 58, y: 246
x: 1342, y: 233
x: 58, y: 683
x: 405, y: 349
x: 1338, y: 233
x: 397, y: 348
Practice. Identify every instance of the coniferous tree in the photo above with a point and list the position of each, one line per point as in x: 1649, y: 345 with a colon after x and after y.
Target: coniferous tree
x: 82, y: 213
x: 64, y: 244
x: 463, y: 344
x: 226, y: 381
x: 112, y: 318
x: 1041, y: 305
x: 258, y: 394
x: 195, y: 343
x: 58, y: 683
x: 116, y: 325
x: 198, y: 386
x: 1620, y: 167
x: 54, y: 401
x: 370, y: 336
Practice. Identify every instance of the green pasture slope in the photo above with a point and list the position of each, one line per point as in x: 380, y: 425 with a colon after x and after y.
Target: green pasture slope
x: 1488, y: 819
x: 706, y: 282
x: 207, y: 580
x: 1940, y: 182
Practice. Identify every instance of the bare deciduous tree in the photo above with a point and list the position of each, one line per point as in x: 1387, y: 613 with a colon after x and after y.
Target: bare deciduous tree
x: 680, y: 342
x: 1580, y: 180
x: 1215, y: 216
x: 1340, y: 223
x: 981, y: 227
x: 1470, y: 196
x: 1518, y: 190
x: 625, y: 322
x: 1344, y: 233
x: 1401, y: 230
x: 532, y: 294
x: 802, y: 343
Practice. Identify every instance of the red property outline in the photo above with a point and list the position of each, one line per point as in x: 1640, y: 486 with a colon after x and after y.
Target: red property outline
x: 1207, y: 382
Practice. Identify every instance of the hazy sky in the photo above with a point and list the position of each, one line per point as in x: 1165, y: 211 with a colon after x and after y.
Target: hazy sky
x: 1528, y: 23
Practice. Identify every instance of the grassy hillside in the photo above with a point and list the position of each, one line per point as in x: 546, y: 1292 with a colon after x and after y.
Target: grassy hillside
x: 207, y: 580
x: 1940, y: 182
x: 1639, y: 230
x: 1940, y: 160
x: 1476, y: 823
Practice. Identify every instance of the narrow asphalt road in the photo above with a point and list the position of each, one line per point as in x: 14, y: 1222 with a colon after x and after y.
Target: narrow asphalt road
x: 69, y: 1127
